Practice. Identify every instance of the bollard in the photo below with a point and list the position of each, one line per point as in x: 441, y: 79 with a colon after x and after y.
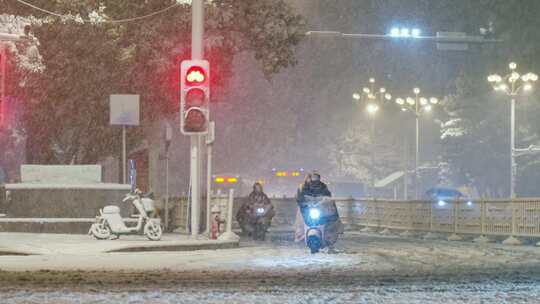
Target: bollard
x: 385, y: 209
x: 482, y: 238
x: 367, y: 227
x: 430, y: 235
x: 229, y: 235
x: 512, y: 240
x: 407, y: 233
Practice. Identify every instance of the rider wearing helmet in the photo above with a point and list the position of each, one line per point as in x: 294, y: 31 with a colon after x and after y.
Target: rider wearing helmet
x: 312, y: 187
x: 248, y: 217
x: 315, y: 187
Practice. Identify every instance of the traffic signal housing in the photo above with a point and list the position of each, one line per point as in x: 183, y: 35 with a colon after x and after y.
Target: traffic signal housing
x: 194, y: 97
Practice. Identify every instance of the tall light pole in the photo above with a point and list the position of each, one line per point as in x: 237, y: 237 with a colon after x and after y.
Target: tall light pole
x: 373, y: 97
x: 513, y: 84
x: 197, y: 52
x: 417, y: 105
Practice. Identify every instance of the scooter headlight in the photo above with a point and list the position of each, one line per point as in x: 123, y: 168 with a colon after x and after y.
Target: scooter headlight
x: 314, y: 214
x: 260, y: 210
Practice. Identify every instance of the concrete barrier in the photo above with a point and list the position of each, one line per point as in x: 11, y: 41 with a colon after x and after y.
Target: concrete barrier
x: 57, y: 208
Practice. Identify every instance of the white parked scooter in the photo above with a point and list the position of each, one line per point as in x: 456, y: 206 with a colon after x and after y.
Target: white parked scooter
x: 110, y: 222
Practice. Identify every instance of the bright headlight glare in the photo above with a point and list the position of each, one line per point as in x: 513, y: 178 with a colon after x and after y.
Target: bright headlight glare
x: 314, y: 213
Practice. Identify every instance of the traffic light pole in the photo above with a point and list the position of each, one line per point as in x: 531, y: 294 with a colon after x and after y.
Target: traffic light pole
x: 124, y: 163
x: 209, y: 143
x: 197, y: 32
x: 2, y: 82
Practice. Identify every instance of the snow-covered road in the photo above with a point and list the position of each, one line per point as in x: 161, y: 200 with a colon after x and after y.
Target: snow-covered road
x: 493, y: 292
x: 372, y: 269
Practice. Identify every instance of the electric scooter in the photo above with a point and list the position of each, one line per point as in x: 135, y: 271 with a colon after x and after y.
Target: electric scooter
x: 317, y: 212
x: 109, y: 221
x: 258, y: 213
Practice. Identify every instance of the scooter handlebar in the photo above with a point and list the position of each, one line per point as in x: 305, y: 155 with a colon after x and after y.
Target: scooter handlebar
x: 129, y: 197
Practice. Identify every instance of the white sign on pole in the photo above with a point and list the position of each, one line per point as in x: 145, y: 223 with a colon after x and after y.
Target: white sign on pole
x: 124, y: 110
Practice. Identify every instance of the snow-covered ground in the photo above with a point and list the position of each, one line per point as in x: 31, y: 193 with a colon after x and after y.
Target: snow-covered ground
x: 68, y: 246
x: 491, y: 293
x: 368, y: 253
x: 372, y: 269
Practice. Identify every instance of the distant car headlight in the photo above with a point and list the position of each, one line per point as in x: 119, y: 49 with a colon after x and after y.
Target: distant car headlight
x: 314, y: 214
x: 441, y: 203
x: 260, y: 210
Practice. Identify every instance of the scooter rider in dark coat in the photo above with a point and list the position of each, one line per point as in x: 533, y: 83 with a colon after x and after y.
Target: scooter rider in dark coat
x: 317, y: 188
x: 313, y: 188
x: 247, y: 218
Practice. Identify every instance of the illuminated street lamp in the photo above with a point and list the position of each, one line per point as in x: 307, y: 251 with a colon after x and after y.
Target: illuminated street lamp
x: 513, y: 84
x: 372, y: 108
x: 373, y: 96
x: 417, y: 105
x: 405, y: 32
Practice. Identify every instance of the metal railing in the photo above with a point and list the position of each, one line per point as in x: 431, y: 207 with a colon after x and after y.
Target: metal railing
x: 511, y: 218
x: 483, y: 217
x: 180, y: 215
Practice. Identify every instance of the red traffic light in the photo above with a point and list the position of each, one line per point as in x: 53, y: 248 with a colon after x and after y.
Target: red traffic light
x: 195, y: 75
x: 194, y: 96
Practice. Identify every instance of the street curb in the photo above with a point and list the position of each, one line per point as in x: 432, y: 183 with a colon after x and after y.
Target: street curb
x: 176, y: 247
x: 16, y: 253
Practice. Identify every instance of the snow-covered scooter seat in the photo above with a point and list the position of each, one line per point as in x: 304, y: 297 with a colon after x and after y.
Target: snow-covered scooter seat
x: 111, y: 209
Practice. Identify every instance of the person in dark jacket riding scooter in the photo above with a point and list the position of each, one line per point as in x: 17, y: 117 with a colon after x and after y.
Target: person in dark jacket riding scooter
x: 316, y: 188
x: 251, y: 223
